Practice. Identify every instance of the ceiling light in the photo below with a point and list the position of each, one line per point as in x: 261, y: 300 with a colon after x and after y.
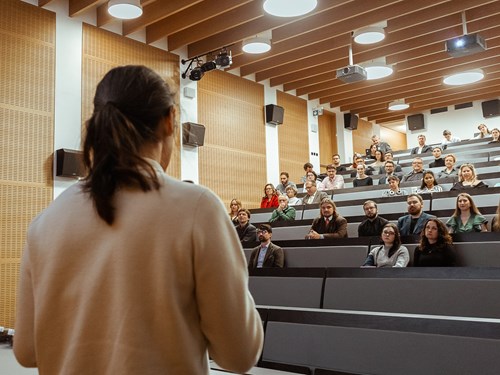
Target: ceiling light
x: 398, y: 105
x: 369, y: 35
x: 256, y: 45
x: 377, y: 70
x: 125, y: 9
x: 464, y: 78
x: 289, y: 8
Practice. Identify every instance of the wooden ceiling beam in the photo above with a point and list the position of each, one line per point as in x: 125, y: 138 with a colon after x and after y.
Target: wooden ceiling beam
x: 76, y: 7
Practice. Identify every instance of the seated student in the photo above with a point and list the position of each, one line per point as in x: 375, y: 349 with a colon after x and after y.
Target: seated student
x: 329, y: 224
x: 370, y: 153
x: 267, y: 254
x: 466, y: 217
x: 495, y: 222
x: 448, y: 138
x: 284, y: 212
x: 495, y: 133
x: 373, y: 224
x: 388, y: 156
x: 417, y: 172
x: 413, y: 223
x: 307, y: 168
x: 361, y: 178
x: 382, y: 146
x: 360, y: 161
x: 270, y: 198
x: 467, y: 179
x: 379, y: 162
x: 313, y: 196
x: 291, y: 193
x: 438, y: 160
x: 436, y: 246
x: 336, y: 163
x: 429, y: 184
x: 450, y: 172
x: 332, y: 181
x: 246, y: 231
x: 312, y: 176
x: 483, y: 132
x: 391, y: 253
x: 394, y: 189
x: 422, y: 148
x: 234, y: 207
x: 389, y: 169
x: 284, y: 183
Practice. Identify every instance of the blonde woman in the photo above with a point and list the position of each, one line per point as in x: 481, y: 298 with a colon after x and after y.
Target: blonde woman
x: 234, y: 207
x: 467, y: 178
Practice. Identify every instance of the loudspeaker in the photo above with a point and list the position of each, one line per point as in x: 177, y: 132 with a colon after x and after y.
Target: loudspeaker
x: 491, y: 108
x: 415, y: 122
x: 193, y: 134
x: 350, y: 121
x: 69, y: 163
x: 274, y: 114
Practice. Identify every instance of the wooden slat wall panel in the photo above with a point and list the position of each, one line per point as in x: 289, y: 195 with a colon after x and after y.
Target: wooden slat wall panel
x: 293, y: 137
x: 27, y: 67
x: 362, y: 136
x: 232, y: 161
x: 103, y: 50
x: 327, y: 133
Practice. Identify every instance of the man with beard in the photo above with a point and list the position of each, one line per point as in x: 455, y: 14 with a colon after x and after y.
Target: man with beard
x: 329, y: 224
x: 389, y: 170
x: 413, y: 223
x: 267, y: 254
x: 333, y: 180
x: 246, y: 231
x: 285, y: 182
x: 373, y: 224
x: 418, y: 171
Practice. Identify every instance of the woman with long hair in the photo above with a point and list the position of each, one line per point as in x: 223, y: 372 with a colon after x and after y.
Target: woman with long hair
x: 436, y: 246
x: 116, y: 255
x: 378, y: 164
x: 495, y: 222
x: 467, y: 178
x: 270, y: 198
x: 394, y: 189
x: 484, y: 132
x: 361, y: 178
x: 466, y: 217
x: 429, y: 184
x: 234, y: 207
x: 391, y: 253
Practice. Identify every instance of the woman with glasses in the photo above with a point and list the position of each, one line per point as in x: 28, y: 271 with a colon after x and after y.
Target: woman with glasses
x: 270, y: 198
x: 435, y: 248
x: 394, y: 189
x: 391, y: 253
x: 429, y: 184
x: 467, y: 179
x: 234, y: 207
x: 466, y: 217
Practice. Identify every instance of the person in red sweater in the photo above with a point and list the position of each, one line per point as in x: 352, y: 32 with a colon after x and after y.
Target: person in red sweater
x: 270, y: 198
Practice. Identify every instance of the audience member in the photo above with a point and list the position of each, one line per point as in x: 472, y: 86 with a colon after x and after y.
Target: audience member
x: 422, y: 148
x: 467, y: 178
x: 435, y: 248
x: 360, y: 161
x: 373, y: 224
x: 370, y: 154
x: 450, y: 172
x: 336, y: 163
x: 246, y: 231
x: 382, y: 146
x: 234, y: 207
x: 495, y: 222
x: 329, y: 224
x: 284, y: 212
x: 291, y: 193
x: 333, y: 180
x: 483, y: 132
x: 357, y: 159
x: 417, y: 172
x: 379, y: 162
x: 285, y: 182
x: 495, y: 133
x: 312, y: 176
x: 448, y: 138
x: 389, y: 168
x: 388, y: 156
x: 270, y: 198
x: 391, y: 253
x: 429, y: 184
x: 394, y: 189
x: 313, y: 196
x: 438, y: 160
x: 413, y: 223
x: 307, y: 168
x: 267, y: 254
x: 466, y: 217
x: 361, y: 178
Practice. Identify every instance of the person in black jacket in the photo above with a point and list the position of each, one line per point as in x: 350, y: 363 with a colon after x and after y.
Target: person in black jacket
x: 436, y: 247
x: 246, y: 231
x: 438, y: 160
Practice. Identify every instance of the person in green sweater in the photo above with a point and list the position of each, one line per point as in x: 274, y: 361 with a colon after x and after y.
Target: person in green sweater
x: 284, y: 212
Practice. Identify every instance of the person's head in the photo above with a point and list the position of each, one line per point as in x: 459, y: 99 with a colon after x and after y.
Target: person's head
x: 133, y: 116
x: 389, y: 167
x: 421, y: 140
x: 391, y: 237
x: 428, y: 180
x: 373, y: 148
x: 308, y: 167
x: 264, y: 232
x: 483, y: 129
x: 284, y: 176
x: 283, y: 200
x: 393, y: 182
x: 291, y: 191
x: 359, y: 160
x: 234, y: 205
x: 434, y: 232
x: 360, y: 168
x: 370, y: 208
x: 269, y: 190
x: 447, y: 134
x: 375, y: 139
x: 331, y: 171
x: 467, y: 172
x: 379, y: 156
x: 310, y: 187
x: 417, y: 164
x: 327, y: 207
x: 449, y: 161
x: 388, y: 156
x: 311, y: 176
x: 415, y: 204
x: 436, y: 151
x: 243, y: 216
x: 465, y: 203
x: 336, y: 159
x: 495, y: 133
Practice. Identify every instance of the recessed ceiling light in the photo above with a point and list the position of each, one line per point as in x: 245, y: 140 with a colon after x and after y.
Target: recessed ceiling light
x: 398, y: 105
x: 377, y: 70
x: 256, y: 45
x: 369, y: 35
x: 289, y: 8
x: 125, y: 9
x: 464, y: 78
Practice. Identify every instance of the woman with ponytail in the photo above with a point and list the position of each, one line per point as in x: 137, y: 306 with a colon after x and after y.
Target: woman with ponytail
x: 117, y: 272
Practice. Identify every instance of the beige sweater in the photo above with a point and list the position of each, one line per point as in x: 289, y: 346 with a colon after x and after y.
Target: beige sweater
x: 151, y: 294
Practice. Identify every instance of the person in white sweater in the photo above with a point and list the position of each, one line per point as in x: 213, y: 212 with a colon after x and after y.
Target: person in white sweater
x: 115, y: 277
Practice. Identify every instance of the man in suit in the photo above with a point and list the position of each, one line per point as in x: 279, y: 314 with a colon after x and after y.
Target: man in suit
x: 422, y: 148
x: 267, y: 254
x: 246, y: 231
x: 313, y: 195
x: 413, y: 223
x: 329, y: 224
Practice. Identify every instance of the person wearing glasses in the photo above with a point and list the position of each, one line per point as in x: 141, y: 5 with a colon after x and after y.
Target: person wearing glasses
x: 313, y: 195
x: 391, y: 253
x: 267, y: 254
x: 435, y: 248
x: 284, y: 212
x: 413, y: 223
x: 270, y: 198
x: 373, y: 224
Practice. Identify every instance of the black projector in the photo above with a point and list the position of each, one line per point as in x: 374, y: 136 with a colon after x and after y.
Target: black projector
x: 465, y: 45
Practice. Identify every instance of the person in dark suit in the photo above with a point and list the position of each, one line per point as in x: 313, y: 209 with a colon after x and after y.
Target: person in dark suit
x: 414, y: 222
x: 422, y: 148
x: 329, y: 224
x: 267, y: 254
x: 246, y: 231
x: 373, y: 224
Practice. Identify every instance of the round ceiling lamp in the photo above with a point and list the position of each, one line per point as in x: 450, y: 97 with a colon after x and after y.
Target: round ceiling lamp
x: 289, y: 8
x: 398, y: 105
x: 377, y: 70
x: 125, y: 9
x: 256, y: 45
x: 464, y: 78
x: 369, y: 35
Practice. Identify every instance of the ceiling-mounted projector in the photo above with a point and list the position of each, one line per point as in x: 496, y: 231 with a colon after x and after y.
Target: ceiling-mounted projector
x: 352, y: 73
x: 465, y: 45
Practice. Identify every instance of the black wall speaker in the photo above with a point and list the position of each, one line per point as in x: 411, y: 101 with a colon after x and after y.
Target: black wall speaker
x: 274, y: 114
x: 415, y: 122
x: 69, y: 163
x: 350, y: 121
x: 491, y: 108
x: 193, y: 134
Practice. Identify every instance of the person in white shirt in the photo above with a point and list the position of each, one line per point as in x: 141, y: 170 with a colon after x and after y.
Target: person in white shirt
x: 332, y: 181
x: 448, y: 138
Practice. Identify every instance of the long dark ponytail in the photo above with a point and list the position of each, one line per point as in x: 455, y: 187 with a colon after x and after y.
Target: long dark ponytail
x: 129, y: 104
